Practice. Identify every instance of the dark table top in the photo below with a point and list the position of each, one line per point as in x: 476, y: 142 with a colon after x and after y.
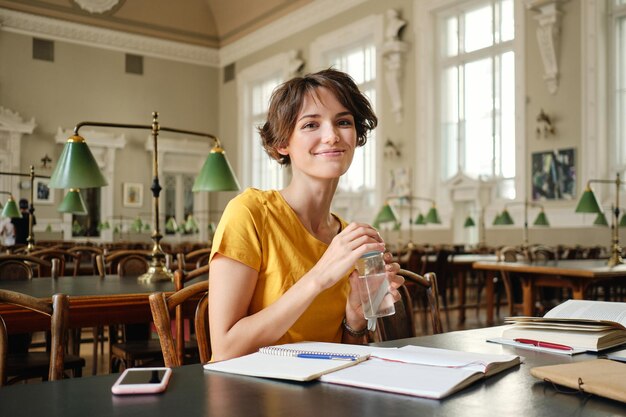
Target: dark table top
x: 195, y: 392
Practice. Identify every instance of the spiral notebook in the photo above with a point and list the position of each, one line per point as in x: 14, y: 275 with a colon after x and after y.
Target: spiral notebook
x: 289, y: 362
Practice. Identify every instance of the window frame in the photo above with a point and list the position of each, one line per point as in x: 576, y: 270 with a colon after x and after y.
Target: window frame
x: 370, y: 27
x: 429, y: 174
x: 277, y: 65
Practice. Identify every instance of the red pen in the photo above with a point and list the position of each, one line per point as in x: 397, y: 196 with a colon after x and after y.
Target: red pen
x: 543, y: 344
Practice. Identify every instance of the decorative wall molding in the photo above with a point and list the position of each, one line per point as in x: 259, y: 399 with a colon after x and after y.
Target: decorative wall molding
x: 32, y: 25
x: 307, y: 16
x: 97, y: 6
x: 548, y: 38
x: 12, y: 130
x: 393, y: 57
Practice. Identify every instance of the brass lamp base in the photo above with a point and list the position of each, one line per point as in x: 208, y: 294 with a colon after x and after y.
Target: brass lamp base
x: 156, y: 273
x: 616, y: 257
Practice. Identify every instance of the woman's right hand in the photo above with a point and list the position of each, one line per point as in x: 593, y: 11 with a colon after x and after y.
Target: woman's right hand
x: 344, y: 250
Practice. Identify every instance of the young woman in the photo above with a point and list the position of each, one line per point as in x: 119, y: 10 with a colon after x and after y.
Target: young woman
x: 282, y: 265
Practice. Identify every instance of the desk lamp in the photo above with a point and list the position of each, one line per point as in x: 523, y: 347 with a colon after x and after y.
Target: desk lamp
x: 10, y: 208
x: 77, y: 168
x: 589, y: 204
x: 30, y: 240
x: 505, y: 218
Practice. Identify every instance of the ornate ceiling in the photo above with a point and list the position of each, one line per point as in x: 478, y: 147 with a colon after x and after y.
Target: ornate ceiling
x: 211, y: 23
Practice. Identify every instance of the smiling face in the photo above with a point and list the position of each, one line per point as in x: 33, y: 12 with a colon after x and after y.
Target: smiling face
x: 324, y: 137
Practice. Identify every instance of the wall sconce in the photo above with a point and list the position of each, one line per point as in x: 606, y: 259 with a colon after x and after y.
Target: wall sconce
x: 77, y: 168
x: 589, y: 204
x: 545, y: 127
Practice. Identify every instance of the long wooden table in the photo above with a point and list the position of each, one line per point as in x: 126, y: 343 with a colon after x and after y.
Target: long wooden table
x: 577, y: 275
x: 93, y: 301
x: 194, y: 392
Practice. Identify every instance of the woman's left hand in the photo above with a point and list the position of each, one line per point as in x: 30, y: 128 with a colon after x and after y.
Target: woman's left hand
x: 354, y: 309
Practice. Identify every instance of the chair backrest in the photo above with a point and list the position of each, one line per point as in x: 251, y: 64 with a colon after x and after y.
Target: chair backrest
x: 161, y: 307
x: 402, y: 324
x: 112, y: 259
x: 509, y: 254
x: 58, y: 310
x: 19, y: 267
x: 64, y: 257
x: 132, y: 265
x: 88, y: 254
x: 192, y: 260
x: 541, y: 253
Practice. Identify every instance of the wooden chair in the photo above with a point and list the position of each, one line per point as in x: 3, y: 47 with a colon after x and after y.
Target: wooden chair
x: 65, y: 257
x: 46, y: 365
x: 129, y: 345
x: 512, y: 284
x: 193, y: 260
x: 88, y: 258
x: 402, y: 324
x: 161, y: 307
x: 17, y: 267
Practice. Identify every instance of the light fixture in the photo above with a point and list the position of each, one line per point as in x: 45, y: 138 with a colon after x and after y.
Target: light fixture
x: 30, y: 240
x: 469, y: 222
x: 190, y: 225
x: 137, y: 225
x: 505, y: 218
x: 73, y: 203
x: 171, y: 226
x: 385, y: 215
x: 600, y: 220
x: 496, y: 220
x: 420, y: 220
x: 433, y: 215
x: 589, y: 204
x: 77, y: 168
x: 10, y: 208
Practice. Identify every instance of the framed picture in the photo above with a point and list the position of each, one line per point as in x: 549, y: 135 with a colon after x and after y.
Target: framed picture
x: 42, y: 193
x: 554, y: 174
x: 133, y: 194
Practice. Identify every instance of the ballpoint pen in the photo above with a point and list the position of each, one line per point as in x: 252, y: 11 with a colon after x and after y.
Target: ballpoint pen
x: 543, y: 344
x: 334, y: 356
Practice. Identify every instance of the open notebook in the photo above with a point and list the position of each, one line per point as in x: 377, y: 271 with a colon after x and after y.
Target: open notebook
x: 410, y: 370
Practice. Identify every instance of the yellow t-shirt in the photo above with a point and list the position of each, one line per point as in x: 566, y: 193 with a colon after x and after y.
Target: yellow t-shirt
x: 259, y: 229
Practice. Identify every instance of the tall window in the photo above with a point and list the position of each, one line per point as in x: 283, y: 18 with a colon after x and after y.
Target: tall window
x: 360, y: 62
x: 255, y: 85
x: 477, y: 92
x: 619, y: 84
x: 266, y: 172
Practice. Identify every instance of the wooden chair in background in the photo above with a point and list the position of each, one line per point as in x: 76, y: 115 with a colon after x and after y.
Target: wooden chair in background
x: 66, y: 258
x: 47, y: 365
x: 18, y: 267
x: 161, y: 307
x: 402, y: 324
x: 129, y: 345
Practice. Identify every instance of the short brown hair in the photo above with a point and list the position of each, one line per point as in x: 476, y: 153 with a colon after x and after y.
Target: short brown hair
x: 288, y: 98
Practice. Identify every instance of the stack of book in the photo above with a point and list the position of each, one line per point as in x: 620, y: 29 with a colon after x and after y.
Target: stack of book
x: 572, y: 327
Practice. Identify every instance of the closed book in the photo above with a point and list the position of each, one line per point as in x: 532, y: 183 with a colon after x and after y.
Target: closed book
x: 599, y: 376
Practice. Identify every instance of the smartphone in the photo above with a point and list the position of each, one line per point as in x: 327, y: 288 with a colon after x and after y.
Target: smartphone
x: 142, y: 381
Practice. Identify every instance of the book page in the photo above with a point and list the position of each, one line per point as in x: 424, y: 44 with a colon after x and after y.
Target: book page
x: 592, y: 310
x: 404, y: 378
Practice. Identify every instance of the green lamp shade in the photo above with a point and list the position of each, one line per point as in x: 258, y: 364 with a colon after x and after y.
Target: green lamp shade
x: 432, y: 216
x: 397, y: 226
x: 48, y: 228
x: 505, y: 218
x: 171, y: 226
x: 116, y: 229
x: 136, y: 225
x: 600, y: 220
x: 420, y: 220
x: 588, y: 203
x: 385, y: 215
x: 497, y: 221
x: 216, y: 174
x: 77, y: 168
x: 77, y: 229
x: 73, y: 203
x: 146, y: 227
x: 104, y: 226
x: 541, y: 219
x: 10, y: 210
x: 622, y: 221
x: 190, y: 225
x: 469, y: 222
